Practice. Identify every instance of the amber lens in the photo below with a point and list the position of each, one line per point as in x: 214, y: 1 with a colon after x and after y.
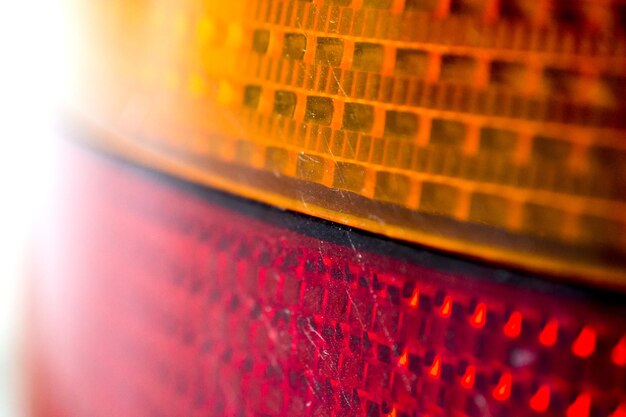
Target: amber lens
x: 488, y: 128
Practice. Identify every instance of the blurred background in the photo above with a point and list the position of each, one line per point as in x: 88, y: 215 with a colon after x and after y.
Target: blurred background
x: 33, y: 71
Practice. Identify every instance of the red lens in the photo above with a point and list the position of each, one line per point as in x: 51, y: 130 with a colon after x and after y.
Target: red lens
x: 165, y: 299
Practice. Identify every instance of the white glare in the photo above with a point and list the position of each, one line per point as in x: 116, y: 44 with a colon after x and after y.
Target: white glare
x: 33, y: 68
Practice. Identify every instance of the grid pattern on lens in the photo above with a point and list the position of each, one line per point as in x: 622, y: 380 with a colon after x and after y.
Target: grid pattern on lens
x: 179, y: 306
x: 507, y: 114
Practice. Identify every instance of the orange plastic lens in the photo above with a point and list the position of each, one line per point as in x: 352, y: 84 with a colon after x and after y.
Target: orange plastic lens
x: 488, y: 128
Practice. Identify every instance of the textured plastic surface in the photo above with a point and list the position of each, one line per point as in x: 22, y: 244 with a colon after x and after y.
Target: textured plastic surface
x: 157, y: 298
x: 482, y: 127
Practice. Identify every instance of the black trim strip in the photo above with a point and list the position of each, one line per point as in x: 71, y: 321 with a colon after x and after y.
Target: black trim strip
x: 366, y: 241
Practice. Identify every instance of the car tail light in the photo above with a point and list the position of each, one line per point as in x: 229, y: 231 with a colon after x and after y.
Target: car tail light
x: 163, y: 298
x: 488, y: 128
